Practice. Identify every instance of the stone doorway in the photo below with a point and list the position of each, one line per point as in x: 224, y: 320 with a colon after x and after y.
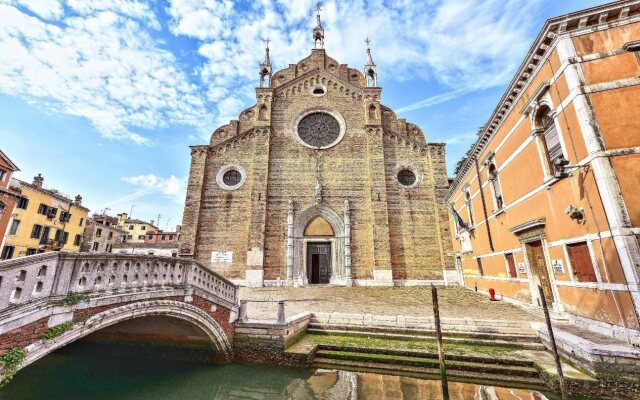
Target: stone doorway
x: 319, y: 262
x: 539, y: 269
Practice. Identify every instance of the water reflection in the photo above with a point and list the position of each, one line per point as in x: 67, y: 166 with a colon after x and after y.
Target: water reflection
x: 89, y: 370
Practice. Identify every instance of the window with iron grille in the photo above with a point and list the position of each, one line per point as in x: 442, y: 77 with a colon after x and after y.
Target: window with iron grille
x: 406, y: 177
x: 232, y: 177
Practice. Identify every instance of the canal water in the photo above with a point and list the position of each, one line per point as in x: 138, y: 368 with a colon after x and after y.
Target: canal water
x: 106, y: 370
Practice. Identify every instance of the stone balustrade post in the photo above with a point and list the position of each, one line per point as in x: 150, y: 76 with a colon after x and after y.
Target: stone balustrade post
x: 281, y: 317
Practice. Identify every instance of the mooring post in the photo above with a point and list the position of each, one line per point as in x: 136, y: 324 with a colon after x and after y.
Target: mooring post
x: 436, y: 320
x: 281, y: 311
x: 552, y: 339
x: 243, y: 310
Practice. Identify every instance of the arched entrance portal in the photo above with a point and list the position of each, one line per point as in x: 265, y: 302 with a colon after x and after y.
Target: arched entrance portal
x: 318, y: 246
x: 318, y: 235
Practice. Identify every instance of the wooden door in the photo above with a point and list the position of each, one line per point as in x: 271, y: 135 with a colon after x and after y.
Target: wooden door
x: 539, y: 268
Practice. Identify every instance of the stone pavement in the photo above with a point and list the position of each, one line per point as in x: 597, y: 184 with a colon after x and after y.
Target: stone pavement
x: 455, y: 302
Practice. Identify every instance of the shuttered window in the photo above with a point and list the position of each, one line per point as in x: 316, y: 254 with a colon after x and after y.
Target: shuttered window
x: 512, y: 265
x: 551, y: 137
x: 581, y: 262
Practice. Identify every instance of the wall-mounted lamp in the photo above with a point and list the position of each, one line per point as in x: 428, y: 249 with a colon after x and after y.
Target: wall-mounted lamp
x: 574, y: 213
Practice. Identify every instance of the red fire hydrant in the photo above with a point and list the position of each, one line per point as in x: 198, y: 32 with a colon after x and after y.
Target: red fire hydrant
x: 492, y: 295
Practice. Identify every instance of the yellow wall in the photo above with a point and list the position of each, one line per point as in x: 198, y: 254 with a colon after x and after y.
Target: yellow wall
x: 28, y: 218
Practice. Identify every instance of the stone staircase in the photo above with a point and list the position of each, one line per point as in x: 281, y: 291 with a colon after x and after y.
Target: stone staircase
x: 525, y: 338
x: 417, y: 364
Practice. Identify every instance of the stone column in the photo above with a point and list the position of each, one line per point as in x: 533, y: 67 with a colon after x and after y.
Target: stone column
x: 347, y: 244
x: 290, y: 215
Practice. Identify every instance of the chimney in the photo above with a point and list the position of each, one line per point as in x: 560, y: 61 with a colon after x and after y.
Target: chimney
x: 37, y: 181
x: 78, y: 201
x: 151, y: 222
x: 178, y: 228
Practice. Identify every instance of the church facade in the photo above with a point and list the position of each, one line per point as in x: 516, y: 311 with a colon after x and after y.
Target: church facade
x: 319, y: 183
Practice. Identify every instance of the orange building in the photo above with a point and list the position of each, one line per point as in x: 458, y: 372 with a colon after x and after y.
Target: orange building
x: 8, y: 199
x: 549, y: 194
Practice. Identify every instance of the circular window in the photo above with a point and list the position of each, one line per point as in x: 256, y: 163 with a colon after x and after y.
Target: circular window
x: 232, y: 177
x: 406, y: 177
x: 319, y: 130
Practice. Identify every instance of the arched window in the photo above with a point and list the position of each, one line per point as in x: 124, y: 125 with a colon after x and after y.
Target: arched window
x: 495, y: 185
x: 551, y: 139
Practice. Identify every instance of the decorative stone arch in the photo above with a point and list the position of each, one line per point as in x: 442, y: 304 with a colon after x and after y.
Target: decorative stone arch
x: 164, y: 308
x: 340, y: 243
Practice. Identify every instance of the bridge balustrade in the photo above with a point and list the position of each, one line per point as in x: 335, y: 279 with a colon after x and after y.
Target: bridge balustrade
x: 57, y: 274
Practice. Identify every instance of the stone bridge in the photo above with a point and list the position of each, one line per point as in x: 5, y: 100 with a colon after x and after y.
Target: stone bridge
x: 50, y: 300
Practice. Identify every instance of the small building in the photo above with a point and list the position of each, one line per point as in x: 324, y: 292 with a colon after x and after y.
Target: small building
x: 548, y: 196
x: 44, y: 220
x: 8, y: 200
x: 157, y: 249
x: 101, y: 234
x: 163, y: 237
x: 136, y: 229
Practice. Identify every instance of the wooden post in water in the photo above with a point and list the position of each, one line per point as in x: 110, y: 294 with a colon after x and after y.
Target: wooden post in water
x: 552, y: 339
x: 436, y: 321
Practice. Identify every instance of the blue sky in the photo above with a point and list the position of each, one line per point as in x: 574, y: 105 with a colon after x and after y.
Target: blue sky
x: 104, y: 97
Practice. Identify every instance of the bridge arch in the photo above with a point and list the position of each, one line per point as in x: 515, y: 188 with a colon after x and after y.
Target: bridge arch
x: 165, y: 308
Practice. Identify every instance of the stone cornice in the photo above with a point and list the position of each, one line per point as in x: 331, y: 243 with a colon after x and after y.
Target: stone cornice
x: 257, y: 130
x: 281, y: 91
x: 580, y: 22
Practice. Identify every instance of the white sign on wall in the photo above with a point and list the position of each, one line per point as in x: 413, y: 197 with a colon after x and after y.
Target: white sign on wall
x: 220, y: 257
x: 558, y: 268
x: 522, y: 267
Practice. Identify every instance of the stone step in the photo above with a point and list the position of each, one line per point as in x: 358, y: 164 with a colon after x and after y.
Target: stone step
x: 522, y: 335
x: 527, y: 382
x: 534, y: 344
x: 427, y: 355
x: 430, y: 363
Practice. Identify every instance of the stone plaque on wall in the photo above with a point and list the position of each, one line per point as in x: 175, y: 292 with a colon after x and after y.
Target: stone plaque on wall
x: 558, y: 268
x: 221, y: 257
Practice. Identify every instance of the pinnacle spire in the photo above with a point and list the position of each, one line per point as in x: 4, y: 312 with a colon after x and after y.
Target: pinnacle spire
x: 318, y: 31
x: 370, y: 69
x: 265, y: 67
x: 369, y: 58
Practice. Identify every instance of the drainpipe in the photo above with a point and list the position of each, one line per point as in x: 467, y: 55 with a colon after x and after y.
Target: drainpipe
x: 484, y: 204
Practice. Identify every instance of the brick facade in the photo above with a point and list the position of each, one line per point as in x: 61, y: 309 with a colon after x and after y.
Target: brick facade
x: 396, y: 232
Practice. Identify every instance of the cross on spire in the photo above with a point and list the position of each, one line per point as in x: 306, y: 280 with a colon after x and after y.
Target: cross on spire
x: 318, y: 31
x: 266, y: 42
x: 367, y: 41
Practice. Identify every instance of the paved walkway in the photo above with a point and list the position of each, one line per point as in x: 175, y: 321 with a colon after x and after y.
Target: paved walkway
x: 455, y: 302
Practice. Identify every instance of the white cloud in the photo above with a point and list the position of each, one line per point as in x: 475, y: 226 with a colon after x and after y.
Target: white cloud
x: 97, y: 62
x: 466, y: 45
x: 103, y: 60
x: 169, y: 187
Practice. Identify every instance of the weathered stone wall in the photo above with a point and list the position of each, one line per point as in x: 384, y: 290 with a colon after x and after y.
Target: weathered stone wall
x: 392, y: 228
